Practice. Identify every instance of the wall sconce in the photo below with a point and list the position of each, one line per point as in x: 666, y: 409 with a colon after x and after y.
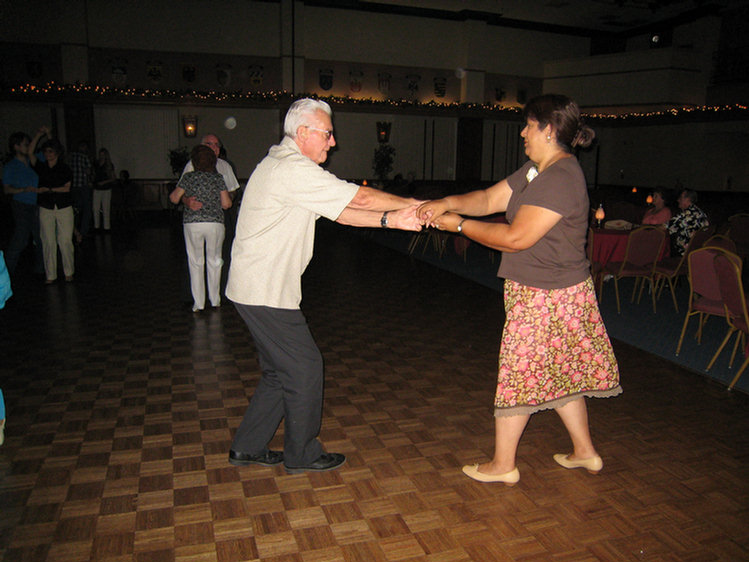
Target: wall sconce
x: 634, y: 190
x: 649, y: 199
x: 383, y: 131
x: 190, y: 125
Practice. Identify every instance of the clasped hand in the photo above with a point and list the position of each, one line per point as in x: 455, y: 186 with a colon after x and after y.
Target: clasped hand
x: 435, y: 213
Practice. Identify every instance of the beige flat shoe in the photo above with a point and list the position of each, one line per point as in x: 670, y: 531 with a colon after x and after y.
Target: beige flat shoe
x: 510, y: 478
x: 592, y: 465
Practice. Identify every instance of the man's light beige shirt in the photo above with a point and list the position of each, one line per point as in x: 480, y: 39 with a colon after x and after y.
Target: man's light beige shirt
x: 275, y: 234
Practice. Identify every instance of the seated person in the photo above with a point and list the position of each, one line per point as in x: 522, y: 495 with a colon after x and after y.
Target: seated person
x: 659, y: 213
x: 687, y: 222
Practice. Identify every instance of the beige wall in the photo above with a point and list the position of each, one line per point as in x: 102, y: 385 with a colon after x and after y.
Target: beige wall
x: 246, y: 32
x: 139, y: 137
x: 424, y: 146
x: 702, y: 156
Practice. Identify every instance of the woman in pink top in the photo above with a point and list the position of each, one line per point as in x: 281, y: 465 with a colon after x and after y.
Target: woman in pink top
x: 658, y: 213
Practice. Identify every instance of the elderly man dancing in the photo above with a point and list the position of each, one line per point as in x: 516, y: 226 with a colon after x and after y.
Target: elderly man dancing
x: 286, y: 194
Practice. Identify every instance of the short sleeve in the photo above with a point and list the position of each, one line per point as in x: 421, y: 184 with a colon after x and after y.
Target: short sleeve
x: 317, y: 190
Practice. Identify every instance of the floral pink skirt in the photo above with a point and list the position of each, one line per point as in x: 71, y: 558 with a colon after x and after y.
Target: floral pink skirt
x: 555, y: 349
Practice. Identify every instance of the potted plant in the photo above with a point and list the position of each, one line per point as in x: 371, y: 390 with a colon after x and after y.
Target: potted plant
x: 178, y: 159
x: 382, y: 163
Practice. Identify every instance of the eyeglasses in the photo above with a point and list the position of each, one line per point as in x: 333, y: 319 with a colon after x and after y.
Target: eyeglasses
x: 325, y: 132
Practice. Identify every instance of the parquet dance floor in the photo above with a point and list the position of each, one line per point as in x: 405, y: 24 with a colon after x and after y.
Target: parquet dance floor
x: 122, y: 405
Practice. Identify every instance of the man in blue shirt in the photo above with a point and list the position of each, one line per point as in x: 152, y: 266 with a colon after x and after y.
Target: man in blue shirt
x: 20, y: 181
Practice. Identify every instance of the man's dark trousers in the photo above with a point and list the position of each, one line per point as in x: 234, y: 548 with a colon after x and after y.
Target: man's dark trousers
x: 291, y: 386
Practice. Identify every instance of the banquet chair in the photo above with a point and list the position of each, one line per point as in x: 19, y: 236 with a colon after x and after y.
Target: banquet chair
x: 721, y: 241
x: 738, y: 231
x: 424, y: 238
x: 670, y: 269
x: 461, y: 243
x: 417, y: 238
x: 734, y: 301
x: 644, y: 247
x: 704, y: 292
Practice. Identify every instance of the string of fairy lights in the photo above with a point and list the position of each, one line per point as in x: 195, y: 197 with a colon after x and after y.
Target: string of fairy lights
x: 54, y: 91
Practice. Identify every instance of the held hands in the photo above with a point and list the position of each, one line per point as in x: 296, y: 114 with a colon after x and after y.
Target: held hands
x: 448, y: 222
x: 436, y: 213
x: 429, y: 211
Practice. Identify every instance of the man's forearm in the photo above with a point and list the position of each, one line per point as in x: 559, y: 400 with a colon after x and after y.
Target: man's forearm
x: 358, y: 217
x: 403, y: 219
x: 368, y: 199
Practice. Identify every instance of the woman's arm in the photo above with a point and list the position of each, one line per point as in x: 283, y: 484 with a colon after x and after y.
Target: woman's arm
x: 61, y: 189
x: 531, y: 223
x: 225, y: 199
x: 10, y: 190
x: 475, y: 204
x: 176, y: 195
x: 32, y: 145
x: 109, y: 176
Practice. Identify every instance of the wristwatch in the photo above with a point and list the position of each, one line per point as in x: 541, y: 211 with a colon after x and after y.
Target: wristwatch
x: 384, y: 220
x: 460, y: 226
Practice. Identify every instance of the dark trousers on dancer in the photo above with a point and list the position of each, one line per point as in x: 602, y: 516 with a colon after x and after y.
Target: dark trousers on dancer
x: 290, y: 388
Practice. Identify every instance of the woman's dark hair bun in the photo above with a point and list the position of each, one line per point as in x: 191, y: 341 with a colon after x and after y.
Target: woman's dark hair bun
x: 584, y: 137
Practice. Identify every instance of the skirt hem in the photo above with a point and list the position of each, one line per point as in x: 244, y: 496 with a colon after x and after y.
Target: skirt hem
x: 527, y: 409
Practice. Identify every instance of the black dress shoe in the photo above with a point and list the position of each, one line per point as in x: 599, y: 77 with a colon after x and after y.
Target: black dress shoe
x: 326, y: 461
x: 269, y: 458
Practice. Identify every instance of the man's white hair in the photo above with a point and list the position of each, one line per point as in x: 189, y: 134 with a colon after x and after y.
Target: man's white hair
x: 300, y: 112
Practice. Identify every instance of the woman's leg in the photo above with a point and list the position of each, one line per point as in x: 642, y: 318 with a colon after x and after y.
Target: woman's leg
x: 575, y: 418
x: 507, y: 433
x: 97, y: 207
x: 106, y: 207
x: 194, y: 244
x: 65, y: 228
x: 214, y: 242
x: 47, y: 229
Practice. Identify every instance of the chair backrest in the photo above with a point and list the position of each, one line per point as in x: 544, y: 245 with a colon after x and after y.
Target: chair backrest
x: 738, y: 228
x: 644, y: 245
x: 702, y: 277
x: 732, y: 291
x: 699, y: 238
x: 720, y: 241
